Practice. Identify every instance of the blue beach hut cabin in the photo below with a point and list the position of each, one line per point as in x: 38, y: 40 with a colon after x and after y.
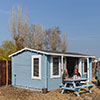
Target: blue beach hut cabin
x: 43, y: 69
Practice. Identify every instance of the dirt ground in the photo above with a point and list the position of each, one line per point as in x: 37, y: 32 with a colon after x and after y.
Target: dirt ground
x: 15, y: 93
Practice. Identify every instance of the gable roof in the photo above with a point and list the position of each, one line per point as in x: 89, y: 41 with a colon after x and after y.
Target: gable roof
x: 69, y: 54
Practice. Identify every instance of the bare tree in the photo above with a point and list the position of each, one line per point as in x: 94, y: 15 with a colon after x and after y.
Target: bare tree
x: 39, y: 35
x: 53, y: 39
x: 64, y: 43
x: 19, y: 28
x: 34, y: 36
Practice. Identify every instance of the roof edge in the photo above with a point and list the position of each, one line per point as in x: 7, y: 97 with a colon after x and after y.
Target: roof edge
x: 26, y: 49
x: 49, y: 53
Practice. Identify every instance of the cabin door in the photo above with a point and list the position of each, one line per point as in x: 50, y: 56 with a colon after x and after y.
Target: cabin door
x: 72, y: 62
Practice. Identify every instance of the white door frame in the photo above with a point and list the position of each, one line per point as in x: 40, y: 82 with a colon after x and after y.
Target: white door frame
x: 79, y: 66
x: 62, y: 64
x: 88, y: 75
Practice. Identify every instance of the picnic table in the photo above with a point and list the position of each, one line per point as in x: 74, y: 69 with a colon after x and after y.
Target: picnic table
x: 76, y: 85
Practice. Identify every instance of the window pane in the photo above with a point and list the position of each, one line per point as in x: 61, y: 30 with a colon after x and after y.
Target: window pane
x: 85, y: 65
x: 55, y: 66
x: 36, y: 67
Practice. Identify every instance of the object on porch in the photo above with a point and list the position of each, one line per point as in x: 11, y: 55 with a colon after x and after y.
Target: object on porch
x: 74, y: 87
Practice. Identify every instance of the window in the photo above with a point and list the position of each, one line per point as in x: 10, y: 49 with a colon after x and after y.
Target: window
x: 85, y: 66
x: 36, y: 67
x: 55, y: 67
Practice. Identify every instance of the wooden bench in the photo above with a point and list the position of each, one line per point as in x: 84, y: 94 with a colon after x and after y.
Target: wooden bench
x: 68, y: 88
x: 78, y: 87
x: 86, y: 86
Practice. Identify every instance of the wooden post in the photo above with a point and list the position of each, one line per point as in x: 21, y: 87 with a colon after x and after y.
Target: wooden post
x: 80, y: 65
x: 6, y: 72
x: 65, y: 64
x: 62, y: 64
x: 88, y: 69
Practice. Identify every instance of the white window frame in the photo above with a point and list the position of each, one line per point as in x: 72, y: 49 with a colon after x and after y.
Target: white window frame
x: 83, y: 66
x: 36, y: 56
x: 54, y: 76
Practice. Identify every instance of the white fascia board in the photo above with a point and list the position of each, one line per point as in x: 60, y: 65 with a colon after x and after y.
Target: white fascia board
x: 48, y: 53
x: 17, y: 52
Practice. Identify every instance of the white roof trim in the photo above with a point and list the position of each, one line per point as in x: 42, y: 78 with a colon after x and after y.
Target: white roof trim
x: 48, y: 53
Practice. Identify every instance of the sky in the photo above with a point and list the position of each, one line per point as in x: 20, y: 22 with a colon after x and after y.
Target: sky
x: 80, y: 19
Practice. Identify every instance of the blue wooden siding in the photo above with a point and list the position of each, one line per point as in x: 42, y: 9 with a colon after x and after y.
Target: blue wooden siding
x: 53, y: 83
x: 21, y: 67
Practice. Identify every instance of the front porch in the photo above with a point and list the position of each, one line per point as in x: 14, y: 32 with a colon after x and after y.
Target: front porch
x: 82, y: 63
x: 58, y: 63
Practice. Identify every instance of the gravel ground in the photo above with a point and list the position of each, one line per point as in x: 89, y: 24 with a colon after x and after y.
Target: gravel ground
x: 15, y: 93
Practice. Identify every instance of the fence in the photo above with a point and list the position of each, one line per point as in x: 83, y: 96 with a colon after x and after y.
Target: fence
x: 3, y: 72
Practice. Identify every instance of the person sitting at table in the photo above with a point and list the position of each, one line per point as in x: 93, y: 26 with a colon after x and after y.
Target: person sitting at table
x: 76, y: 74
x: 65, y: 75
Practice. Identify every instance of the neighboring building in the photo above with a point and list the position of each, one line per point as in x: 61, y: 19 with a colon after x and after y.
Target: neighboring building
x: 43, y: 69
